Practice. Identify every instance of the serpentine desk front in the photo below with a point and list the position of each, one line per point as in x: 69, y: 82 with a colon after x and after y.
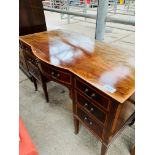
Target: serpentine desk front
x: 100, y: 78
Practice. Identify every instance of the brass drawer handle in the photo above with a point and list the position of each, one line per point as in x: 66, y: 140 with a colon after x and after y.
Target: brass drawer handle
x: 55, y: 76
x: 86, y: 93
x: 30, y: 59
x: 86, y: 90
x: 85, y: 118
x: 93, y: 95
x: 86, y: 104
x: 91, y: 109
x: 36, y: 61
x: 89, y: 122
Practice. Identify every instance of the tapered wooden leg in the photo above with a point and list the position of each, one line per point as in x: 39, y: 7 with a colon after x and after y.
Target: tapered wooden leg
x: 103, y: 149
x: 45, y: 91
x: 76, y: 125
x: 35, y: 84
x: 133, y: 150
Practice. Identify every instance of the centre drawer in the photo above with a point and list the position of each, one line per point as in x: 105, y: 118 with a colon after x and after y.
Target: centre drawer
x: 92, y: 94
x: 91, y: 124
x: 91, y: 109
x: 56, y: 74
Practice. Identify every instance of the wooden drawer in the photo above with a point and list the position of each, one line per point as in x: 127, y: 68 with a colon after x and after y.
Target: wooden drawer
x: 55, y: 73
x: 22, y: 63
x: 20, y: 44
x: 30, y: 57
x: 24, y: 47
x: 91, y: 124
x: 33, y: 70
x: 91, y: 109
x: 89, y: 92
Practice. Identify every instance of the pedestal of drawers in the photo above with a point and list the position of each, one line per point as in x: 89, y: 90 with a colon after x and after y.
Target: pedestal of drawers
x: 100, y: 114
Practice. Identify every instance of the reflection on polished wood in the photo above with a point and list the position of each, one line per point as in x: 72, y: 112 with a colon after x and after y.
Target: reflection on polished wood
x: 99, y: 64
x: 100, y: 79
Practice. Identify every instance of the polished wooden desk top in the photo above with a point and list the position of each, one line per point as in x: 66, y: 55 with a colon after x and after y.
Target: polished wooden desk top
x: 109, y: 69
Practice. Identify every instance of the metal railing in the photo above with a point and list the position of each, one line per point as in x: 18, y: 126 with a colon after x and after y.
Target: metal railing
x: 108, y: 18
x: 101, y: 17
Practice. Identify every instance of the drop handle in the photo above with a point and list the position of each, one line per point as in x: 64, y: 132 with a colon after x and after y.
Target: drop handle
x: 86, y: 104
x: 36, y: 61
x: 58, y: 75
x: 90, y: 123
x: 86, y: 90
x: 93, y: 95
x: 86, y: 93
x: 85, y: 118
x: 29, y: 59
x: 55, y: 76
x: 91, y: 109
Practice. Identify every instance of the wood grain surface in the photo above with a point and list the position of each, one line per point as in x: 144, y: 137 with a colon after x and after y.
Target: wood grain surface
x: 107, y: 68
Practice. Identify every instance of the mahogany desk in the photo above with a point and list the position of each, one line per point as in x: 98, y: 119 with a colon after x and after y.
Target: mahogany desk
x: 100, y: 78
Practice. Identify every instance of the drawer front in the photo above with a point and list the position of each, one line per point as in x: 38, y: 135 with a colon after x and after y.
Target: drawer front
x: 55, y: 74
x: 92, y: 94
x: 33, y: 70
x: 24, y: 46
x: 91, y: 124
x: 30, y: 57
x: 21, y: 45
x: 22, y: 63
x: 91, y: 109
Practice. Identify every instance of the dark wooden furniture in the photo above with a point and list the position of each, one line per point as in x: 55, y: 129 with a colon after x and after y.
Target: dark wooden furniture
x: 31, y: 17
x: 29, y: 64
x: 100, y: 79
x: 31, y: 20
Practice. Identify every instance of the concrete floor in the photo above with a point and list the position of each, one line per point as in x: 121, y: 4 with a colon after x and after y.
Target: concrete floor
x: 50, y: 125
